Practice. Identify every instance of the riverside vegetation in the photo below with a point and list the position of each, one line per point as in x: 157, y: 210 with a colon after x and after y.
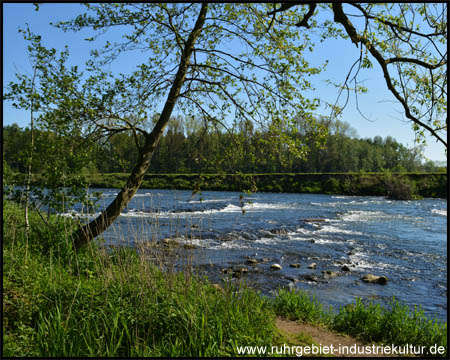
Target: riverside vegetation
x: 404, y: 186
x: 114, y: 302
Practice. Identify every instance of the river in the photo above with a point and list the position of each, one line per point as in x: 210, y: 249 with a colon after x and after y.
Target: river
x: 406, y: 241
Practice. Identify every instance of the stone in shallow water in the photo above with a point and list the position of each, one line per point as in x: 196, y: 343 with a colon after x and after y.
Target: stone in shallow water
x: 312, y: 266
x: 310, y: 277
x: 252, y: 261
x: 240, y: 270
x: 190, y: 246
x: 374, y: 279
x: 275, y: 267
x: 296, y: 265
x: 170, y: 242
x: 345, y: 268
x: 329, y: 273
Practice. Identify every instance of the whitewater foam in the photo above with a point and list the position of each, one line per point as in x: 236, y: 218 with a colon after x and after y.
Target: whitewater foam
x: 266, y: 241
x: 335, y: 229
x: 441, y: 212
x: 204, y: 201
x: 358, y: 215
x: 75, y: 214
x: 143, y: 195
x: 230, y: 245
x: 301, y: 231
x: 264, y: 206
x: 326, y: 241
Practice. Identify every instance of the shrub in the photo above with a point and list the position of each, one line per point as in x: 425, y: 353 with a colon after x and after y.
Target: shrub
x: 399, y: 187
x: 332, y: 186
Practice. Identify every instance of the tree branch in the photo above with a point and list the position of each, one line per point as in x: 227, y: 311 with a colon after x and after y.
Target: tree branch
x: 415, y: 61
x: 340, y: 17
x: 303, y: 22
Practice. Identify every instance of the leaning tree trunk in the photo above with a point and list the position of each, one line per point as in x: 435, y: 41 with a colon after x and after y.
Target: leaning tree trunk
x: 87, y: 232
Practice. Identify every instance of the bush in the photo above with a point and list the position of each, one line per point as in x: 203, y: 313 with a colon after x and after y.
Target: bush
x: 399, y: 187
x: 332, y: 186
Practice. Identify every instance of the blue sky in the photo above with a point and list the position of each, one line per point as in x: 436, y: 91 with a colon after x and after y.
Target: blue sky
x: 378, y: 104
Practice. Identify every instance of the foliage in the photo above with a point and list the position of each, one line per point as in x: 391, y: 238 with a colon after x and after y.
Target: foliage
x: 366, y: 184
x: 58, y: 146
x: 198, y: 152
x: 259, y: 87
x: 399, y: 188
x: 408, y: 44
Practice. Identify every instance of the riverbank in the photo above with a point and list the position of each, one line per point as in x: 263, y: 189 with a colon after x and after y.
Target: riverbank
x: 123, y: 304
x: 403, y: 186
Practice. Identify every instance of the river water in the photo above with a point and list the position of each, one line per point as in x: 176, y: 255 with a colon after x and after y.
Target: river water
x: 403, y: 240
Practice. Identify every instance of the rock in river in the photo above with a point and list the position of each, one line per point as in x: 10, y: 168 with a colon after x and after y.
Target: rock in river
x: 329, y: 274
x: 309, y: 277
x: 312, y: 266
x: 240, y: 270
x: 190, y: 246
x: 345, y: 268
x: 275, y: 267
x: 374, y: 279
x: 296, y: 265
x: 252, y: 261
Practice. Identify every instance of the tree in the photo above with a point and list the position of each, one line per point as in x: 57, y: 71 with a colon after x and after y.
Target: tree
x: 189, y: 65
x: 54, y: 134
x: 244, y: 61
x: 409, y: 43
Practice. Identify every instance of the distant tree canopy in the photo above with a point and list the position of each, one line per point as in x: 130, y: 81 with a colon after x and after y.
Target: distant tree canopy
x: 185, y: 150
x: 239, y: 67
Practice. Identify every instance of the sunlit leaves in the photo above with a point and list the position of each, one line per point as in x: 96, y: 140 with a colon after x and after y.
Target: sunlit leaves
x: 407, y: 41
x: 238, y: 72
x: 53, y: 96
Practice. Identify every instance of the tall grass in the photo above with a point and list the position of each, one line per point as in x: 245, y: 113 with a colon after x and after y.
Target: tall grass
x: 120, y: 303
x: 98, y: 303
x: 395, y: 325
x: 298, y: 305
x: 367, y: 322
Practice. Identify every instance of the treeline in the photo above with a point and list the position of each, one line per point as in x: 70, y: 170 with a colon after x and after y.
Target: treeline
x: 188, y: 147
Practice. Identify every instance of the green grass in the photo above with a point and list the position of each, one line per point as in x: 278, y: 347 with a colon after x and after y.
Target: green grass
x: 298, y: 305
x: 367, y: 322
x: 96, y: 303
x: 397, y: 325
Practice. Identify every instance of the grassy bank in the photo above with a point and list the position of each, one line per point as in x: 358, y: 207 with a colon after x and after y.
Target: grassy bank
x: 116, y: 303
x: 401, y: 186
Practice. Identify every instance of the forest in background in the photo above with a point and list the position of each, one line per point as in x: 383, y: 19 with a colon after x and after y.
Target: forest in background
x: 188, y: 147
